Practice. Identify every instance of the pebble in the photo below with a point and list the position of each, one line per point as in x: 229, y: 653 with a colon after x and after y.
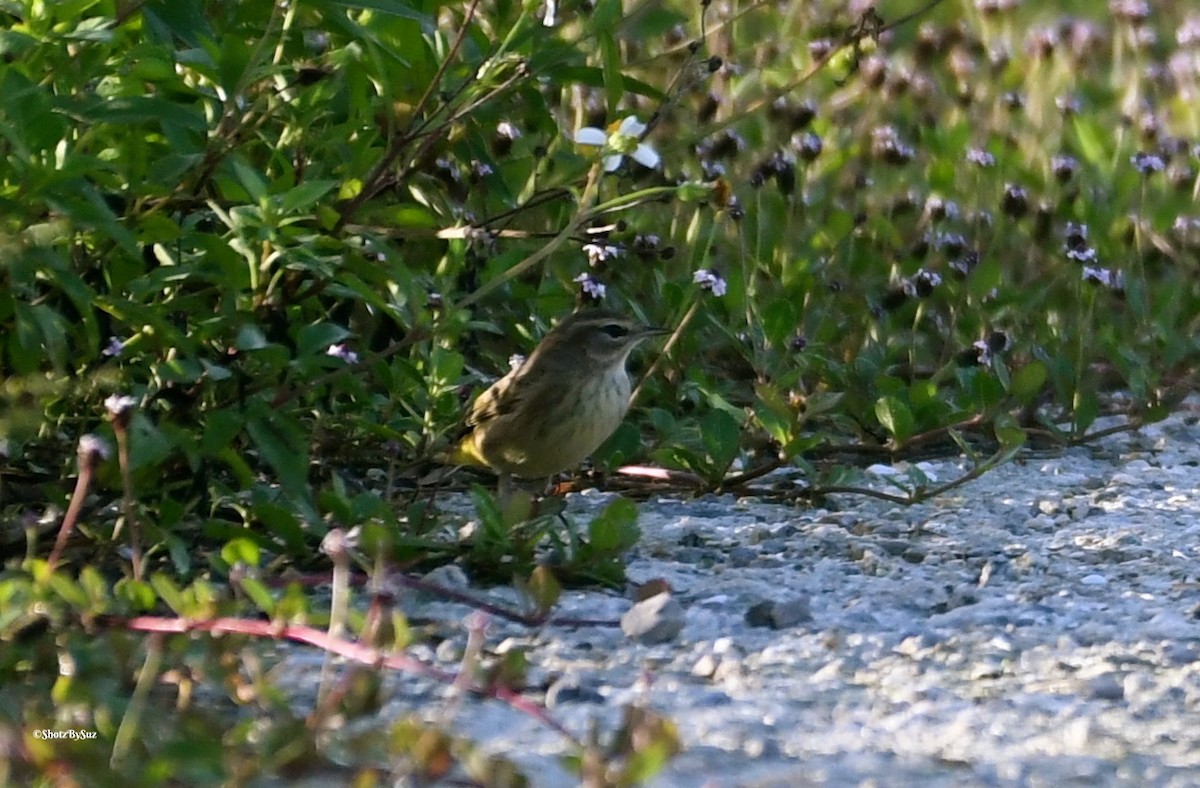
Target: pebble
x: 658, y: 619
x: 779, y: 615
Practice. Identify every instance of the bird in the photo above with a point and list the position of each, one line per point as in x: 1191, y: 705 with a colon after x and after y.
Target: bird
x: 559, y: 405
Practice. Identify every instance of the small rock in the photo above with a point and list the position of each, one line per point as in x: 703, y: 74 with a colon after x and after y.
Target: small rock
x: 447, y: 576
x: 742, y: 556
x: 1094, y: 580
x: 1180, y: 654
x: 568, y: 690
x: 779, y: 615
x: 695, y: 555
x: 1108, y: 686
x: 448, y: 651
x: 658, y: 619
x: 705, y: 667
x: 894, y: 546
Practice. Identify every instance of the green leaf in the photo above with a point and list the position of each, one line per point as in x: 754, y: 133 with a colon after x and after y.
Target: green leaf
x: 595, y: 77
x: 252, y: 181
x: 250, y: 337
x: 614, y: 87
x: 392, y: 7
x: 137, y: 593
x: 244, y: 551
x: 315, y: 340
x: 303, y: 196
x: 895, y: 417
x: 605, y: 16
x: 282, y: 443
x: 259, y: 594
x: 1087, y: 408
x: 615, y: 529
x: 543, y: 589
x: 1028, y: 381
x: 493, y: 533
x: 1090, y: 139
x: 621, y: 446
x: 721, y: 435
x: 168, y: 592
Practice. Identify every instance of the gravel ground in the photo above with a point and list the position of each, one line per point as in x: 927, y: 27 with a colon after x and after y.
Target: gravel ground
x: 1038, y: 626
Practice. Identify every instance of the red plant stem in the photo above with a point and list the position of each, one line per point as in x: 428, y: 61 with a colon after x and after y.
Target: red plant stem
x: 345, y: 648
x: 86, y: 469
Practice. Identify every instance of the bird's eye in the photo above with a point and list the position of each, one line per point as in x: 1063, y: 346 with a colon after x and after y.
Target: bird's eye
x: 615, y: 330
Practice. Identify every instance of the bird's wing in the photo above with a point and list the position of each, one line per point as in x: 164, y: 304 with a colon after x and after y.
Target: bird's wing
x: 503, y: 397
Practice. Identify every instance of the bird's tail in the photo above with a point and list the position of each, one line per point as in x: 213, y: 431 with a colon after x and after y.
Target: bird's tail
x: 465, y: 452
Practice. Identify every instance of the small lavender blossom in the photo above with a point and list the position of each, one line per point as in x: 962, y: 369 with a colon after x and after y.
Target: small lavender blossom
x: 1130, y: 10
x: 342, y: 350
x: 118, y: 404
x: 598, y: 252
x: 1185, y: 224
x: 1068, y: 105
x: 507, y: 129
x: 1113, y: 280
x: 807, y: 145
x: 983, y: 354
x: 980, y: 157
x: 921, y: 284
x: 710, y: 280
x: 1147, y: 163
x: 1086, y: 255
x: 94, y: 447
x: 940, y: 208
x: 952, y: 243
x: 592, y: 287
x: 1188, y: 34
x: 114, y: 347
x: 1064, y: 167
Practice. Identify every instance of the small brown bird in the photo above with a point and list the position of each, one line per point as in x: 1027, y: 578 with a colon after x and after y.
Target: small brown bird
x: 558, y: 406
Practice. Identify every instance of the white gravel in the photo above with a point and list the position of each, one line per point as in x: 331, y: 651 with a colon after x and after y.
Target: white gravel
x: 1038, y: 626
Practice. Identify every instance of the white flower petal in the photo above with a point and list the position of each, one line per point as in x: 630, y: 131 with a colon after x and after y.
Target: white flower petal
x: 646, y: 156
x: 632, y: 127
x: 590, y: 135
x: 611, y: 163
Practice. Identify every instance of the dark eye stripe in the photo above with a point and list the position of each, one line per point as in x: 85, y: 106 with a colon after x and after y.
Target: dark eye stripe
x: 615, y: 330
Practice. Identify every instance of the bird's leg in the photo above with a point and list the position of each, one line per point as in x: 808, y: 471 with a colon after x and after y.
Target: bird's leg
x: 504, y: 489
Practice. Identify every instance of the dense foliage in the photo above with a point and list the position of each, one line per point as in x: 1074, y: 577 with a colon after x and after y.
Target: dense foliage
x: 286, y: 241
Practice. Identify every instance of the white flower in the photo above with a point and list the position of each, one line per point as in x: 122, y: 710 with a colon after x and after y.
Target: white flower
x: 342, y: 351
x: 93, y: 447
x: 709, y: 279
x: 619, y: 140
x: 118, y: 404
x: 598, y: 253
x: 515, y: 360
